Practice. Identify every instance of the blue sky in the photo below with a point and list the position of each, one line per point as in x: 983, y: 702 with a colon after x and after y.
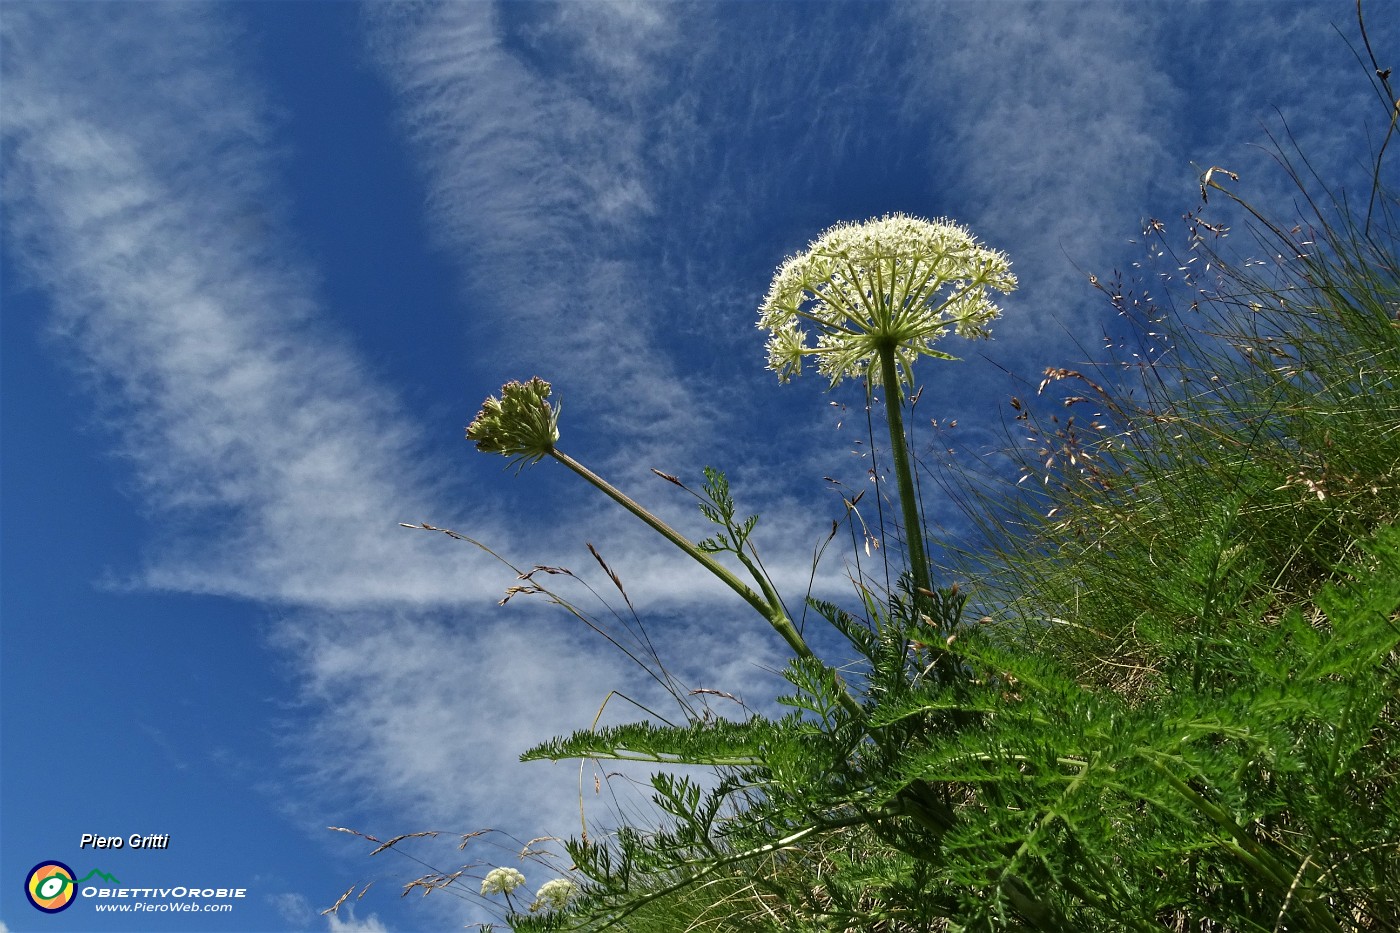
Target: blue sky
x: 262, y: 263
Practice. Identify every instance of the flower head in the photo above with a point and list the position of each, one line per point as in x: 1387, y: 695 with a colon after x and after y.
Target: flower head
x: 554, y: 895
x: 521, y: 424
x: 895, y: 283
x: 501, y: 881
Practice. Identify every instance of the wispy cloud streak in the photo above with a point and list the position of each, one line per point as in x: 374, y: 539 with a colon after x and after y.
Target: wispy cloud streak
x: 1055, y: 136
x: 541, y: 188
x: 136, y: 186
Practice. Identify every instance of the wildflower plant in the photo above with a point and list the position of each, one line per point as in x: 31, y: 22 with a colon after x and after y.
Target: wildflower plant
x: 876, y: 296
x: 1180, y: 706
x: 884, y: 292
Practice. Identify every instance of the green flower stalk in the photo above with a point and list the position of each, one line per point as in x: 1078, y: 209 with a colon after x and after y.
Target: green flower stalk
x: 524, y: 426
x: 876, y: 296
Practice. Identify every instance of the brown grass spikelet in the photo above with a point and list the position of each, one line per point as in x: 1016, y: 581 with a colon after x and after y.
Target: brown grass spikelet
x: 617, y: 581
x: 343, y: 898
x: 468, y: 837
x: 431, y: 882
x: 427, y: 833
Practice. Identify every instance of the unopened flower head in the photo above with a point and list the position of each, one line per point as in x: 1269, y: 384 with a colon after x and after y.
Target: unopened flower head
x: 521, y: 424
x: 502, y: 881
x: 554, y: 895
x: 897, y: 283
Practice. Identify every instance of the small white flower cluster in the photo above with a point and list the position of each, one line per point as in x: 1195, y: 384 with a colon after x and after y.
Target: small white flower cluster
x: 502, y: 881
x: 554, y: 895
x: 898, y: 283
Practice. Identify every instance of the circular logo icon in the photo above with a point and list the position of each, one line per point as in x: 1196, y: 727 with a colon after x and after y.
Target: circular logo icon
x: 49, y: 886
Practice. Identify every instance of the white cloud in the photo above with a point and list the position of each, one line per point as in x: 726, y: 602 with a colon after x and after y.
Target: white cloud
x: 276, y: 464
x: 273, y: 463
x: 539, y: 185
x: 1055, y: 129
x: 344, y: 921
x: 421, y: 721
x: 295, y: 909
x: 421, y: 711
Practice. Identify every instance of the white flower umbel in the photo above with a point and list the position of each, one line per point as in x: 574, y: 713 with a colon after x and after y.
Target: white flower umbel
x: 554, y: 895
x: 894, y: 286
x: 501, y: 881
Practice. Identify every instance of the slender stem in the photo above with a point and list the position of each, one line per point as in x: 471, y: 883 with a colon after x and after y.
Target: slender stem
x: 676, y: 538
x: 770, y: 610
x: 904, y: 477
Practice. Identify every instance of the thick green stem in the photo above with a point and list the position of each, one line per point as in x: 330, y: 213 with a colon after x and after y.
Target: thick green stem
x: 771, y: 611
x: 904, y: 476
